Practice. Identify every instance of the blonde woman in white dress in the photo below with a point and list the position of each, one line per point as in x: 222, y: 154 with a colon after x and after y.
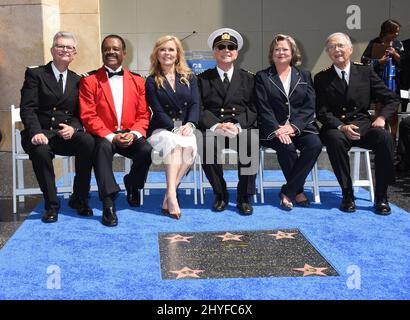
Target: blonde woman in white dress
x: 172, y: 94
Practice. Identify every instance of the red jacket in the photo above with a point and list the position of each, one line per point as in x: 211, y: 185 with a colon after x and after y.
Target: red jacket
x: 97, y: 109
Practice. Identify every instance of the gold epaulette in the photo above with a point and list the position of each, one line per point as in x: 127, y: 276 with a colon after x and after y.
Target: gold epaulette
x: 33, y: 67
x: 358, y: 63
x: 89, y: 73
x: 325, y: 69
x: 250, y: 72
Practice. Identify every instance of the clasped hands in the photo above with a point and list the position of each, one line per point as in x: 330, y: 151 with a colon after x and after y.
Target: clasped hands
x: 352, y: 131
x: 285, y: 133
x: 227, y: 129
x: 66, y: 133
x: 123, y: 140
x: 185, y: 130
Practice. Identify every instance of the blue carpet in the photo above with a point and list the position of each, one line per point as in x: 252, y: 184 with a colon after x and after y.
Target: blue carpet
x: 370, y: 252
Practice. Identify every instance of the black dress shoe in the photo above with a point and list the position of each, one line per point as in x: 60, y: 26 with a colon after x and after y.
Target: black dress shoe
x: 245, y: 208
x: 81, y: 206
x: 303, y: 203
x: 109, y: 217
x: 220, y: 203
x: 133, y: 195
x: 348, y: 204
x: 381, y: 206
x: 50, y: 215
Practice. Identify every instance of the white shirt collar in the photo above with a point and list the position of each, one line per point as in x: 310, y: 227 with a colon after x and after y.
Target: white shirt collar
x: 57, y: 73
x: 347, y: 70
x: 221, y: 73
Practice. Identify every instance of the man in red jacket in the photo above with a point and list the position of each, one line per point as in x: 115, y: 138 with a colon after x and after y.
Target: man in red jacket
x: 114, y: 110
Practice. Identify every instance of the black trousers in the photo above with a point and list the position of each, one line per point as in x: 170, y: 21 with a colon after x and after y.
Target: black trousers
x: 378, y: 140
x: 296, y: 167
x: 404, y: 140
x: 139, y: 152
x: 81, y: 145
x: 248, y: 160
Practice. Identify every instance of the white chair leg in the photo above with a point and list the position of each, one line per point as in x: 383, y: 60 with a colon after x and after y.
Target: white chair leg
x: 195, y: 181
x: 369, y: 175
x: 20, y: 177
x: 356, y: 170
x: 315, y: 178
x: 14, y: 185
x: 261, y: 166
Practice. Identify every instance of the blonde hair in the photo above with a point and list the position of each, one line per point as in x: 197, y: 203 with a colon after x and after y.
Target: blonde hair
x: 181, y: 66
x: 296, y: 56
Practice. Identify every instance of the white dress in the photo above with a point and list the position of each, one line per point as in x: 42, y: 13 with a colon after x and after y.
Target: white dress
x: 164, y: 141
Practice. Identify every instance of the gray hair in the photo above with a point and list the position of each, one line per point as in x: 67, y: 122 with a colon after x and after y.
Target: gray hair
x: 65, y: 34
x: 341, y: 34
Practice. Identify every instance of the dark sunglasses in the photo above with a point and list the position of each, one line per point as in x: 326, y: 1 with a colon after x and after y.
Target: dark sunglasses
x: 230, y: 47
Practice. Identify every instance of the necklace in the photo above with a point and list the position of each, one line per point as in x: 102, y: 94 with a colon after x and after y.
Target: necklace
x: 171, y: 80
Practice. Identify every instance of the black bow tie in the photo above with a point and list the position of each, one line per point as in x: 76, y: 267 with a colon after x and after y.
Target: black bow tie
x: 111, y: 74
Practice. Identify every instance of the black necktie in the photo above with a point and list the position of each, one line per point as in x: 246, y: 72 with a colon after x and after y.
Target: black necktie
x: 226, y: 81
x: 111, y: 74
x: 344, y: 81
x: 60, y: 83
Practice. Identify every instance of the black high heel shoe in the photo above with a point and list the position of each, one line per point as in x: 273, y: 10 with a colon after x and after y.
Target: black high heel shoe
x: 173, y: 215
x: 304, y: 203
x: 285, y: 204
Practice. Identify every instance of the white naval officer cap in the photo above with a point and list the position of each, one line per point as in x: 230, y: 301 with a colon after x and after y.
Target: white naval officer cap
x: 225, y: 35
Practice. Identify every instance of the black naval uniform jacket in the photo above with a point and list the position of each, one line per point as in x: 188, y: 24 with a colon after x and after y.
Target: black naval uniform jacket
x: 43, y: 107
x: 275, y: 108
x: 236, y: 105
x: 335, y: 108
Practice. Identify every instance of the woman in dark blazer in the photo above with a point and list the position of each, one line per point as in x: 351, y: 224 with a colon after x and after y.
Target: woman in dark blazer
x: 172, y: 93
x: 285, y: 101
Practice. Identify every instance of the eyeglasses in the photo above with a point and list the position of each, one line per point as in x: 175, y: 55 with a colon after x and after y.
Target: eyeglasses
x: 336, y: 45
x: 67, y: 48
x: 230, y: 47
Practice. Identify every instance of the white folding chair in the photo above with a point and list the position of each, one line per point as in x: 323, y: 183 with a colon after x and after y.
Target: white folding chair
x: 204, y: 183
x: 263, y: 183
x: 356, y: 181
x: 18, y: 158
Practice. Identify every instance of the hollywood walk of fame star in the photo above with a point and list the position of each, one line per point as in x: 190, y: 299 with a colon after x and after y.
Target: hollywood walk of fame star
x: 178, y: 238
x: 282, y: 235
x: 186, y: 272
x: 309, y: 270
x: 229, y: 236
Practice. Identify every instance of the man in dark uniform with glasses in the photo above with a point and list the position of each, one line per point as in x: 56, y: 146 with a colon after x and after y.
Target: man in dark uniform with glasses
x: 343, y: 95
x: 227, y: 114
x: 50, y: 114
